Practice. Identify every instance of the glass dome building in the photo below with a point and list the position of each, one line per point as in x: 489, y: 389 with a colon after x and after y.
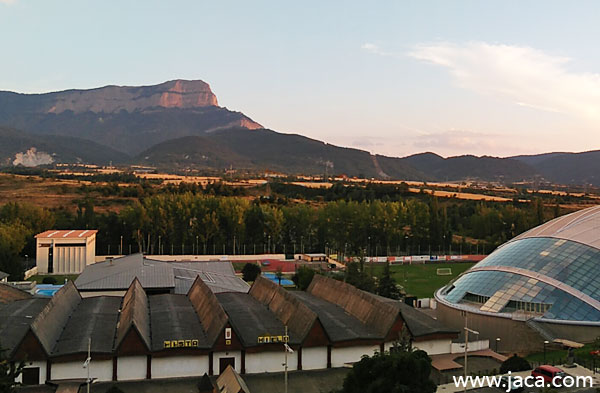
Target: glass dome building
x: 547, y: 278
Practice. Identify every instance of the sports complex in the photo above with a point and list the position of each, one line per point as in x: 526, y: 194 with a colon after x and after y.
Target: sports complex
x: 542, y: 286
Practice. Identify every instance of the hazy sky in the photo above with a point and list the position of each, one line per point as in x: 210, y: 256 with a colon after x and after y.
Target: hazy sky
x: 398, y: 77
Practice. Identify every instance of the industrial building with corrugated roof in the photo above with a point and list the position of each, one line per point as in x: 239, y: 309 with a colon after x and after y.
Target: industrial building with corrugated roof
x: 114, y: 276
x: 147, y: 336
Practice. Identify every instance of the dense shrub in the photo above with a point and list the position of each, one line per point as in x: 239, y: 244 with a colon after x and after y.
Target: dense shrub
x: 514, y: 363
x: 250, y: 271
x: 49, y: 280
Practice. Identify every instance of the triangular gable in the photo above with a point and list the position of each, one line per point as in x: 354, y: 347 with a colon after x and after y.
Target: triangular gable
x: 135, y: 315
x: 30, y: 348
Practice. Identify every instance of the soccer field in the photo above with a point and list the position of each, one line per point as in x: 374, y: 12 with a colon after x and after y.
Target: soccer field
x: 422, y: 280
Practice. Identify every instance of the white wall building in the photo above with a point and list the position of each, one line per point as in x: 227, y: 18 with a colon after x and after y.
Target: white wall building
x: 65, y: 251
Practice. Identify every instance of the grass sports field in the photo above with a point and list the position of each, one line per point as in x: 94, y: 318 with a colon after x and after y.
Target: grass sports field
x: 422, y: 280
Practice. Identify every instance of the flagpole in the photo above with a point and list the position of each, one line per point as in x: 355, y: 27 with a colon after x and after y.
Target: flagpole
x: 89, y: 358
x: 286, y: 362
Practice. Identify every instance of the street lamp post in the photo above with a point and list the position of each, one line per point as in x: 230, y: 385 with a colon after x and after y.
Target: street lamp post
x: 467, y: 331
x: 497, y: 342
x: 546, y: 342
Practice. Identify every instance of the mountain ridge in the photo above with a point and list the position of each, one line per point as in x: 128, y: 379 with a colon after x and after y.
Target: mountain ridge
x: 178, y: 124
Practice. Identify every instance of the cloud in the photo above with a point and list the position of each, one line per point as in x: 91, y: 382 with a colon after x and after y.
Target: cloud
x: 7, y: 1
x: 375, y: 49
x: 528, y: 77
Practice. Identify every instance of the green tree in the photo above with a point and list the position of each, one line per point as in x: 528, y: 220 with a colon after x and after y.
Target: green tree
x: 12, y: 240
x: 279, y: 275
x: 395, y: 372
x: 386, y: 286
x: 514, y: 363
x: 303, y: 277
x: 355, y: 275
x: 8, y: 373
x: 250, y: 272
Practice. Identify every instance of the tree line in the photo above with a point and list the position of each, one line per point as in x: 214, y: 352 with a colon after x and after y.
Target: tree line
x: 188, y: 222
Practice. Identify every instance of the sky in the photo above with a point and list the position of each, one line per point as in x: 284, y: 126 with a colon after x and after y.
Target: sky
x: 396, y: 78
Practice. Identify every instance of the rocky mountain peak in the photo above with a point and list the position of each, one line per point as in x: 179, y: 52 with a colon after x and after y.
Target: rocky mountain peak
x: 173, y: 94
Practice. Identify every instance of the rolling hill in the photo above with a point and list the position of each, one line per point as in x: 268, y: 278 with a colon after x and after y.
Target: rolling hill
x: 567, y: 168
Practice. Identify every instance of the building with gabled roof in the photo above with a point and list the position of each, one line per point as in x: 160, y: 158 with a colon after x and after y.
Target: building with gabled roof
x: 114, y: 276
x: 147, y: 336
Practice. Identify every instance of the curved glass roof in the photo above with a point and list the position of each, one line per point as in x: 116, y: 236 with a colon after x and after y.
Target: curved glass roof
x: 551, y: 277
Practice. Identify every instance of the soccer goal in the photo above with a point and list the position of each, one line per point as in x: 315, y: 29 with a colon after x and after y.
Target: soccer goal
x: 444, y: 271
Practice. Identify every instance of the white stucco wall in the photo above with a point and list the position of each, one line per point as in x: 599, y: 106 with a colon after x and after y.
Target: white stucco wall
x: 262, y: 362
x: 39, y: 364
x: 434, y: 347
x: 340, y: 356
x: 99, y: 369
x: 314, y: 358
x: 179, y: 366
x: 230, y: 354
x: 131, y: 367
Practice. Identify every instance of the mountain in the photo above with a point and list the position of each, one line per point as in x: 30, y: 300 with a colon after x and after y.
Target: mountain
x: 179, y: 125
x: 110, y: 99
x: 128, y: 119
x: 17, y: 148
x: 471, y: 167
x: 567, y: 168
x: 264, y: 149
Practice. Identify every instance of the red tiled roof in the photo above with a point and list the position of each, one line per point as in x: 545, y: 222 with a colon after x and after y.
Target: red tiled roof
x: 67, y: 234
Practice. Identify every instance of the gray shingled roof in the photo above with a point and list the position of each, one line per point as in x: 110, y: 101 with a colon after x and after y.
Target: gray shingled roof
x: 49, y: 323
x: 338, y: 324
x: 287, y: 308
x: 95, y: 318
x: 172, y: 317
x: 8, y: 293
x: 3, y: 275
x: 251, y: 319
x: 117, y: 274
x: 16, y: 318
x: 210, y: 312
